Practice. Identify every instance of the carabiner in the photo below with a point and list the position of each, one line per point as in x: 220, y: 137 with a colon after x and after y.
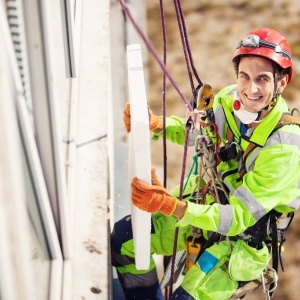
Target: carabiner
x: 274, y: 282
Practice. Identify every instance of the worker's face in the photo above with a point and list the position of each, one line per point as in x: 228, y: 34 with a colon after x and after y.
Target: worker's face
x: 255, y: 80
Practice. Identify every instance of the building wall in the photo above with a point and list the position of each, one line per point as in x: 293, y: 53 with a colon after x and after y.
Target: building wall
x: 56, y: 150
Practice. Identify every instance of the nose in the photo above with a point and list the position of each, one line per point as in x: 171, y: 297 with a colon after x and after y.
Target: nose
x: 253, y: 86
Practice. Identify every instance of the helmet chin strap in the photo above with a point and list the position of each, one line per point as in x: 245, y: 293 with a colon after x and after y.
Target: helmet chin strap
x: 247, y: 117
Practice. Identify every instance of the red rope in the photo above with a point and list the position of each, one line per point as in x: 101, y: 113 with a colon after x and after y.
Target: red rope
x: 185, y: 149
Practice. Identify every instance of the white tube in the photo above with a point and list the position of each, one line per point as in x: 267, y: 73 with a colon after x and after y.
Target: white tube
x: 139, y: 152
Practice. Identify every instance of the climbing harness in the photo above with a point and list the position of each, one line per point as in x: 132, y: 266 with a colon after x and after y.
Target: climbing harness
x: 270, y: 229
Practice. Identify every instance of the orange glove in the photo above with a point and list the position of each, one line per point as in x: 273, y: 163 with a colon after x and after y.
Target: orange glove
x: 155, y: 123
x: 152, y: 198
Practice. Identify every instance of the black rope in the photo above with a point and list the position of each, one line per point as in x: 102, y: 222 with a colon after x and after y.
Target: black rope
x: 164, y: 90
x: 181, y: 27
x: 185, y: 44
x: 166, y: 259
x: 190, y: 67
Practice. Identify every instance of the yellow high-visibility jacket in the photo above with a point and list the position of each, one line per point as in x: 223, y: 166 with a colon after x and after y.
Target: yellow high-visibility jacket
x: 272, y: 180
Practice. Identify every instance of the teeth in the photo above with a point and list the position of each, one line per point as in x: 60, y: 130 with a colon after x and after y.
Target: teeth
x: 253, y: 98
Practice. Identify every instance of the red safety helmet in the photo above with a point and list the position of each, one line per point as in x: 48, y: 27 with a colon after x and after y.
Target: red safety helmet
x: 267, y: 43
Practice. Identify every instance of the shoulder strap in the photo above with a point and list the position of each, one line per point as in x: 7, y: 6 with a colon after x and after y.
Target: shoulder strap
x: 286, y: 119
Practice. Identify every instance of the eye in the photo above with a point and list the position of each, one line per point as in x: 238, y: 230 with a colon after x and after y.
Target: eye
x: 264, y: 78
x: 243, y: 75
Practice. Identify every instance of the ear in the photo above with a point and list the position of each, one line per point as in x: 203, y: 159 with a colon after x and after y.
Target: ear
x: 282, y: 83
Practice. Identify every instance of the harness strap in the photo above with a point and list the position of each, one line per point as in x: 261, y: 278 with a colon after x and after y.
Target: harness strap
x: 283, y: 224
x: 286, y: 119
x: 275, y: 253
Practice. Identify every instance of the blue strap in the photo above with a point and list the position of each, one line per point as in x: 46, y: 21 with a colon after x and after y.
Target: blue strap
x: 243, y: 129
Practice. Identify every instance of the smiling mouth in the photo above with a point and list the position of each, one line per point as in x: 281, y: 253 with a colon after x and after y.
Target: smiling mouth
x: 253, y: 98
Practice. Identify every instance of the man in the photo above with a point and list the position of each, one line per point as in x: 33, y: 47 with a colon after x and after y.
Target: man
x: 263, y: 183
